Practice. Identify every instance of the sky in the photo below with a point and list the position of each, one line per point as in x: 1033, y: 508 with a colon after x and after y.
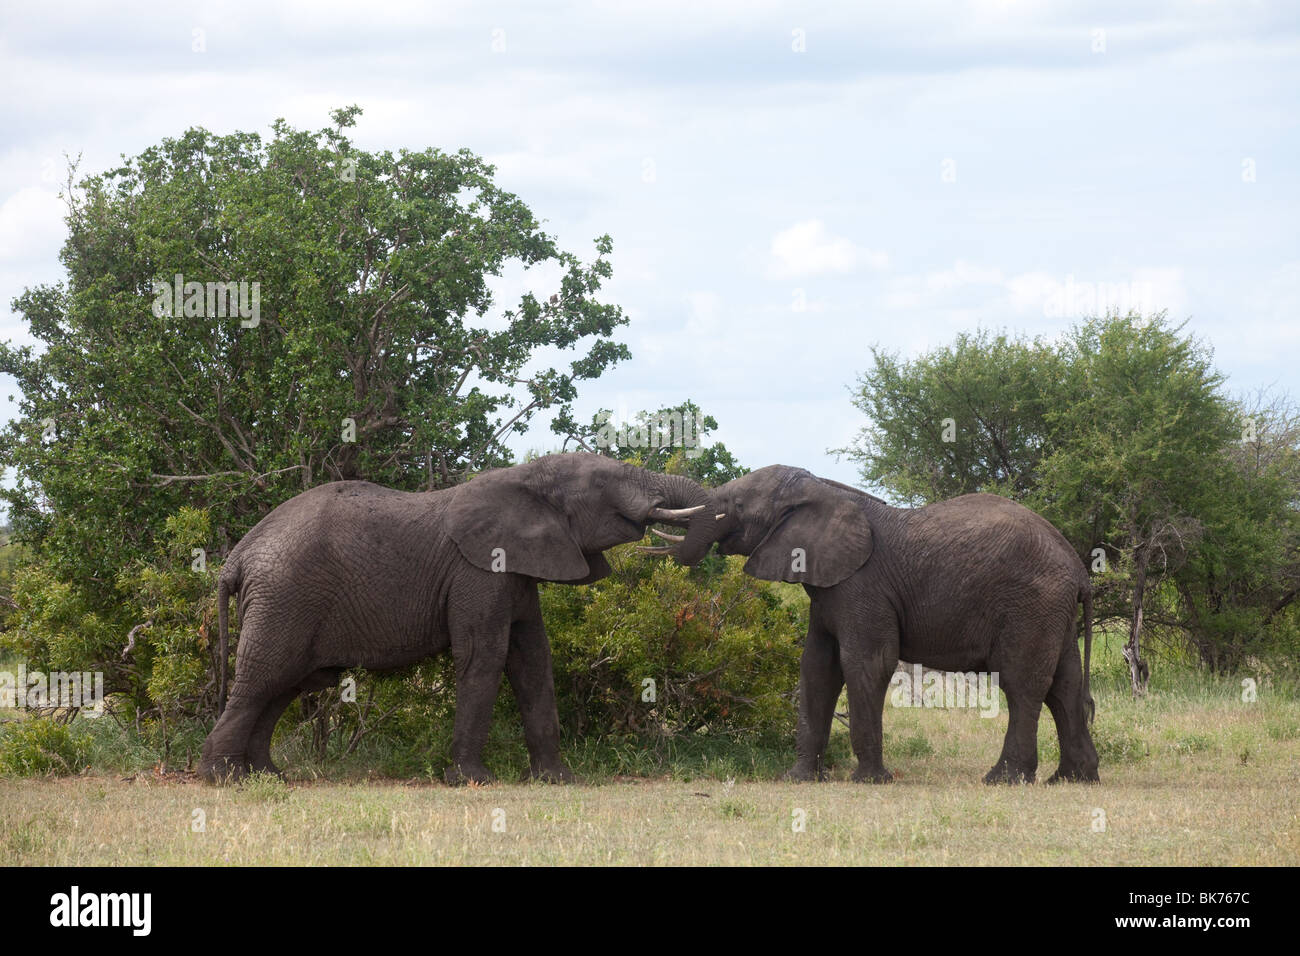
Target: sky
x: 787, y: 185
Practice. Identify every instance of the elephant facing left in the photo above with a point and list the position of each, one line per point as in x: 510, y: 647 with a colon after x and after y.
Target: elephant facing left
x: 352, y: 574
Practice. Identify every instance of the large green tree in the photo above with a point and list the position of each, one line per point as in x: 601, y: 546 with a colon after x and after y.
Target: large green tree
x: 1134, y: 454
x: 341, y: 323
x: 1182, y: 500
x: 1238, y: 591
x: 958, y: 419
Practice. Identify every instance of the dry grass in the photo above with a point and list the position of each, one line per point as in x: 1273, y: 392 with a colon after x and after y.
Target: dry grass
x: 1199, y: 779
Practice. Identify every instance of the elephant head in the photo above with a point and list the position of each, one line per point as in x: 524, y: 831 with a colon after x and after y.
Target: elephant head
x: 552, y: 517
x: 793, y: 526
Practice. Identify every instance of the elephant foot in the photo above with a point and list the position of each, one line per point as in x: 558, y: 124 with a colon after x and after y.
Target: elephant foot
x: 876, y: 775
x: 803, y: 773
x: 264, y: 765
x: 458, y: 775
x: 222, y: 769
x: 1074, y: 775
x: 1004, y: 774
x: 550, y: 773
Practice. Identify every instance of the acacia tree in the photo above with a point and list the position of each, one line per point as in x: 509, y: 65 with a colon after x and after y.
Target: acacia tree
x: 1242, y: 584
x: 1122, y: 436
x: 1136, y: 451
x: 336, y: 320
x: 967, y: 417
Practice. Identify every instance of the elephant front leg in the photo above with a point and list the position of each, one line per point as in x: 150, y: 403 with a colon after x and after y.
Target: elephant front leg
x: 867, y: 671
x: 479, y: 652
x: 820, y: 682
x: 528, y: 666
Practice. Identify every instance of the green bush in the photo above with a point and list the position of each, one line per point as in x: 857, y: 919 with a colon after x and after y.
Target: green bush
x: 40, y: 747
x: 722, y: 650
x: 664, y: 650
x: 176, y: 597
x: 398, y: 725
x: 158, y: 660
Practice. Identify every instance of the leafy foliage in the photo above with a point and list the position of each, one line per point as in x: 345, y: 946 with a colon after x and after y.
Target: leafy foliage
x: 1122, y: 436
x: 40, y: 747
x: 964, y: 418
x: 153, y: 425
x: 722, y: 650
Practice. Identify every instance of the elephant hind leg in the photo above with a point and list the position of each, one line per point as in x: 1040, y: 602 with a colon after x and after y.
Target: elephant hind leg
x: 259, y: 742
x: 1019, y: 760
x: 240, y: 742
x: 1070, y: 712
x: 225, y: 751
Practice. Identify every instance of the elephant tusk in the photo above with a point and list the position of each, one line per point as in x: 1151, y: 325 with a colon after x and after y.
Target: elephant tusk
x: 668, y: 537
x: 719, y: 517
x: 664, y: 549
x: 674, y: 515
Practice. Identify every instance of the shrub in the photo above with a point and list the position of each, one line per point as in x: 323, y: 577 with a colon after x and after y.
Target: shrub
x: 40, y: 747
x: 722, y: 650
x: 661, y: 649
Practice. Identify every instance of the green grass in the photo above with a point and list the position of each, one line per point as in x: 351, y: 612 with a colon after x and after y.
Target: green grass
x: 1191, y: 775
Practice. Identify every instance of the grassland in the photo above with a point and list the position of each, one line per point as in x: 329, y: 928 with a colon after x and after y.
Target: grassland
x: 1191, y: 775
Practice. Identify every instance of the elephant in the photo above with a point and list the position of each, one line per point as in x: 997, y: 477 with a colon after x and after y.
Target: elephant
x: 974, y: 583
x: 353, y: 574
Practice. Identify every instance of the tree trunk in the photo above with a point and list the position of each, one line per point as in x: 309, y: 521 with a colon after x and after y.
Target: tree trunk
x: 1139, y: 672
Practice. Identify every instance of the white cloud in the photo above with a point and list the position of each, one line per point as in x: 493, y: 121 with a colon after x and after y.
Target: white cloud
x: 807, y: 249
x: 973, y: 289
x: 704, y: 312
x: 942, y: 287
x: 800, y: 167
x: 1030, y: 290
x: 31, y: 224
x: 1262, y: 326
x: 1144, y: 290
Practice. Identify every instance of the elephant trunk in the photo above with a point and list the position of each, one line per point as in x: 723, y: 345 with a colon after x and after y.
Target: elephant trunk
x: 682, y: 493
x: 727, y: 524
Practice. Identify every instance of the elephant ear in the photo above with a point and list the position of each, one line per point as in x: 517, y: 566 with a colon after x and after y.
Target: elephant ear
x: 599, y: 568
x: 820, y: 541
x: 500, y: 524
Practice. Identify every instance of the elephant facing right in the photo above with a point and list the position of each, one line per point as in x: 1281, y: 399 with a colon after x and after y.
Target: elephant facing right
x: 976, y: 583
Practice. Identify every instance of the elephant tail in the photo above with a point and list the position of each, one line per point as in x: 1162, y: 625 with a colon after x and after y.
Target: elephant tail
x: 228, y: 582
x: 1085, y: 595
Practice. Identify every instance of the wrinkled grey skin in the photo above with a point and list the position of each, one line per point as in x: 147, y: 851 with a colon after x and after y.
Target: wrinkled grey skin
x: 351, y: 574
x: 977, y: 583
